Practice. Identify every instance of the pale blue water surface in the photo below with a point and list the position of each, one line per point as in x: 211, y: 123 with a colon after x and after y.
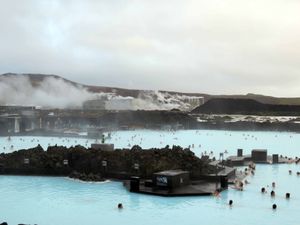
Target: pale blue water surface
x: 284, y: 143
x: 10, y: 144
x: 58, y: 200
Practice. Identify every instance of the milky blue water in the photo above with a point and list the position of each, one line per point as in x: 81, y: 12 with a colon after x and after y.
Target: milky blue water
x: 10, y: 144
x: 52, y: 200
x: 284, y: 143
x: 49, y: 201
x: 200, y: 141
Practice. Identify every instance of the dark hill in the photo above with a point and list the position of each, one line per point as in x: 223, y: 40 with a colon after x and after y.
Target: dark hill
x: 37, y: 79
x: 245, y: 106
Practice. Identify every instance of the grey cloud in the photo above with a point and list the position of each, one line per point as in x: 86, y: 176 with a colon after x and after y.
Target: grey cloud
x: 229, y: 46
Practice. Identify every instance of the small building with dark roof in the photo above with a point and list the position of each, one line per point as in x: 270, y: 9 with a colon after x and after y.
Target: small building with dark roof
x: 259, y: 155
x: 170, y: 179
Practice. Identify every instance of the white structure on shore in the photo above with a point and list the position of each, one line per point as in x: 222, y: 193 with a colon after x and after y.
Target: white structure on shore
x: 121, y: 103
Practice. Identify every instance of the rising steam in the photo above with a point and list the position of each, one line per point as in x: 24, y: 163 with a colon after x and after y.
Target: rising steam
x: 50, y: 93
x: 55, y: 92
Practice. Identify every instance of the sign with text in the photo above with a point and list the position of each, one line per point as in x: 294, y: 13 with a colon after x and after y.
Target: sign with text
x: 161, y: 181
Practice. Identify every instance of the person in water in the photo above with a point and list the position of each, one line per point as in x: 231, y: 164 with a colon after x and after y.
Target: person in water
x: 216, y: 193
x: 273, y: 185
x: 120, y: 206
x: 239, y: 185
x: 272, y: 193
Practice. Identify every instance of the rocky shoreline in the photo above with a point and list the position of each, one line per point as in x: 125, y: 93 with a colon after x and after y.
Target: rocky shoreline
x: 204, y: 125
x: 96, y: 165
x: 87, y: 177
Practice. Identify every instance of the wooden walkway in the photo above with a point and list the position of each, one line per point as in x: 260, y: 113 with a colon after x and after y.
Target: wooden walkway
x: 196, y: 188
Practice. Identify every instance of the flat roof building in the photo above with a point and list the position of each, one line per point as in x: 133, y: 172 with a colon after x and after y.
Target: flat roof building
x: 170, y: 179
x: 259, y: 155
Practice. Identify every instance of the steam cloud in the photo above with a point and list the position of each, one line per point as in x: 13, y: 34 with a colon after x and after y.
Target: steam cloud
x: 53, y: 92
x: 156, y: 100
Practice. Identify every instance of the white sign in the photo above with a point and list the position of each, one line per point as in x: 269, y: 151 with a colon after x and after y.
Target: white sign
x: 161, y: 181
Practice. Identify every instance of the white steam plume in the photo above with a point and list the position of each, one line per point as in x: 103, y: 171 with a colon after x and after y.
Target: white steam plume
x: 51, y: 93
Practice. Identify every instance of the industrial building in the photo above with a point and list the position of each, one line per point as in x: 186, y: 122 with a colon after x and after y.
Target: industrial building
x: 97, y: 104
x: 121, y: 103
x: 194, y: 102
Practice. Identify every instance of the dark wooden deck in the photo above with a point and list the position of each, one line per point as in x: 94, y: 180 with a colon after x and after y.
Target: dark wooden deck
x: 196, y: 188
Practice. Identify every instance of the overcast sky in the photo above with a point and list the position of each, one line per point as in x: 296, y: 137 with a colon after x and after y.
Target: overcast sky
x: 211, y: 46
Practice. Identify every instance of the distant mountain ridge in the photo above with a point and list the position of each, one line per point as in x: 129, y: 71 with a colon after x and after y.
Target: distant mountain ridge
x: 245, y: 107
x: 37, y: 79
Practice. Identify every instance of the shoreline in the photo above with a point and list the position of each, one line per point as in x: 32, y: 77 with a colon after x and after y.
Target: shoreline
x: 232, y: 126
x: 90, y: 182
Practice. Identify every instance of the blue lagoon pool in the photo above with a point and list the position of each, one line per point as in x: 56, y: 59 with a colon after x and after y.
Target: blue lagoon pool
x: 51, y: 200
x: 59, y: 200
x: 10, y: 144
x: 284, y: 143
